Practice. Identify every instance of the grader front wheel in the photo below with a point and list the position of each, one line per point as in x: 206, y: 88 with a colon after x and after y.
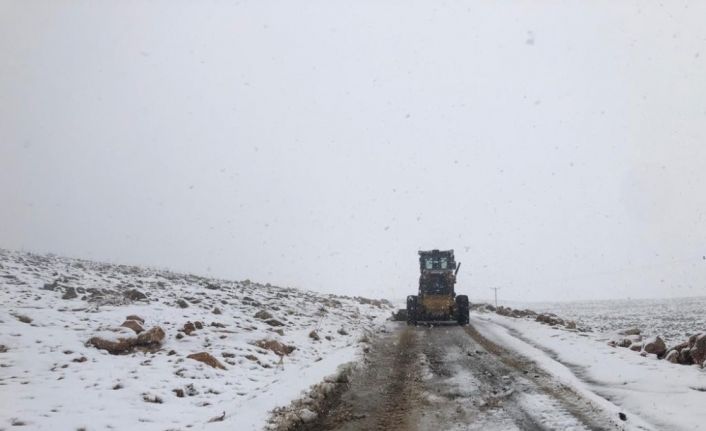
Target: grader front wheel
x: 462, y: 310
x: 412, y: 310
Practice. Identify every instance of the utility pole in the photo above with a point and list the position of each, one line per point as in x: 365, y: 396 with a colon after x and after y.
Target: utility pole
x: 496, y: 295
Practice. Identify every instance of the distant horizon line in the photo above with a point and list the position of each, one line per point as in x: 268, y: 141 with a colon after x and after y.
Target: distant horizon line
x: 489, y: 301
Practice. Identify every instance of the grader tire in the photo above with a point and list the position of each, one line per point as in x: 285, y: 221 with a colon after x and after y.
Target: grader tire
x: 462, y: 310
x: 411, y: 310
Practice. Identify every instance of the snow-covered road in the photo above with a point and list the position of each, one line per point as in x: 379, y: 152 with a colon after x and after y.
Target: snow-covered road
x: 456, y: 378
x: 649, y: 391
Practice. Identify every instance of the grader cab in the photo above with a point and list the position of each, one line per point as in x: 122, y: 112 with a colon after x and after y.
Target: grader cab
x: 436, y: 300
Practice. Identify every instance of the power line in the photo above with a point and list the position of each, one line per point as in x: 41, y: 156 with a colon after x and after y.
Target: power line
x: 496, y: 295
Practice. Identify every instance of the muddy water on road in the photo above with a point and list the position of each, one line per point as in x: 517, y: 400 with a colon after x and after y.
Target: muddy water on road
x: 451, y: 378
x: 383, y: 392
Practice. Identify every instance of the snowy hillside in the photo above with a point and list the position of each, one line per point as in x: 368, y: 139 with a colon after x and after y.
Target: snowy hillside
x: 260, y: 345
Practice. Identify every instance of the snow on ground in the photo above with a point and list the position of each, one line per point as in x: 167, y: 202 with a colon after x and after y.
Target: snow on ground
x: 654, y: 394
x: 50, y: 379
x: 673, y: 319
x: 550, y: 413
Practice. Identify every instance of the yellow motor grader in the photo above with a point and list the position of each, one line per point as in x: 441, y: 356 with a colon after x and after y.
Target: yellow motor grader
x: 436, y: 300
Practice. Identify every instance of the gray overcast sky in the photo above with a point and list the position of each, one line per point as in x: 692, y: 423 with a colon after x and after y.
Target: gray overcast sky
x: 557, y: 146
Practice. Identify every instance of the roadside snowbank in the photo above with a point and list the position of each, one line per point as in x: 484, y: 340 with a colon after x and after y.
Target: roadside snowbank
x: 664, y: 395
x: 50, y: 379
x: 674, y: 319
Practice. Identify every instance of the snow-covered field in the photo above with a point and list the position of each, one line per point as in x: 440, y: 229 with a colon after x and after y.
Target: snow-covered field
x: 673, y: 319
x: 50, y: 379
x: 652, y: 393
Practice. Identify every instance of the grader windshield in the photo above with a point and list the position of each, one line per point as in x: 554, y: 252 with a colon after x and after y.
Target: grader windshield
x: 436, y: 260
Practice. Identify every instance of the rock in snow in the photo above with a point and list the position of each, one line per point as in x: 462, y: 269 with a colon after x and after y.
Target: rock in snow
x: 630, y: 331
x: 136, y: 317
x: 188, y: 328
x: 123, y: 340
x: 70, y: 293
x: 135, y: 295
x: 274, y: 322
x: 207, y: 359
x: 263, y: 315
x: 279, y: 348
x: 115, y: 342
x: 692, y: 351
x: 672, y: 356
x: 307, y: 416
x: 134, y: 325
x: 151, y: 338
x: 697, y: 346
x: 685, y: 356
x: 122, y: 369
x: 655, y: 345
x: 24, y: 319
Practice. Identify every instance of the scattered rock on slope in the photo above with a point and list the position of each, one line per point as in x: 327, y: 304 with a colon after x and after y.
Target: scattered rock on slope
x: 207, y: 359
x: 631, y: 331
x: 678, y: 347
x: 136, y: 317
x: 152, y: 337
x: 188, y: 328
x: 672, y: 356
x: 692, y: 351
x: 625, y: 340
x: 134, y: 325
x: 697, y: 346
x: 22, y: 318
x: 550, y: 319
x: 134, y: 295
x: 274, y: 322
x: 106, y: 306
x: 689, y: 352
x: 685, y: 356
x: 655, y: 345
x: 70, y: 293
x: 263, y: 315
x: 51, y: 286
x: 307, y: 416
x: 279, y: 348
x: 123, y: 340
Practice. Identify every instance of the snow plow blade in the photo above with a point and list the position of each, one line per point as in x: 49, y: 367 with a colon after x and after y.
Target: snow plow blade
x: 399, y: 315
